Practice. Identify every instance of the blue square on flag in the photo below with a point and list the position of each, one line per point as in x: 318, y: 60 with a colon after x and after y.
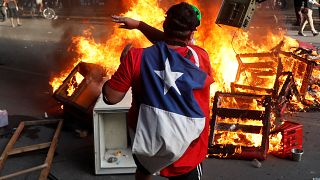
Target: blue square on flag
x: 169, y: 116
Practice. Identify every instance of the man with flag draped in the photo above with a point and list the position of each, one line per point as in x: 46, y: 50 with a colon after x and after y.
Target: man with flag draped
x: 169, y: 117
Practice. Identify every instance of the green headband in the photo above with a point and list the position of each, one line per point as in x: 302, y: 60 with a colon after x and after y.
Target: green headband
x: 197, y: 12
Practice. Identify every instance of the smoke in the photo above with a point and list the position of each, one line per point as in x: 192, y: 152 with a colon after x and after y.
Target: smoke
x: 266, y: 21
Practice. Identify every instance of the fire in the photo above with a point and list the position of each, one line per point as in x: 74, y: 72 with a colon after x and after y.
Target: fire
x: 251, y: 122
x: 222, y: 45
x: 238, y: 138
x: 107, y: 53
x: 57, y: 81
x: 74, y: 83
x: 231, y: 102
x: 314, y: 92
x: 275, y: 144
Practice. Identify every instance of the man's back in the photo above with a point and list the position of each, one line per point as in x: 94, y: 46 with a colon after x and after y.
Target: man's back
x: 130, y: 68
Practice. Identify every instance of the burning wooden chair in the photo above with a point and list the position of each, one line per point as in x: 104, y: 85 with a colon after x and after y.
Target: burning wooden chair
x: 240, y: 126
x: 265, y: 76
x: 305, y: 71
x: 280, y: 74
x: 258, y: 77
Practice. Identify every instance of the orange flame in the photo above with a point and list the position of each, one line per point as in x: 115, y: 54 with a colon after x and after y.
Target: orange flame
x: 275, y: 142
x: 238, y: 138
x: 74, y: 83
x: 107, y: 53
x: 222, y: 45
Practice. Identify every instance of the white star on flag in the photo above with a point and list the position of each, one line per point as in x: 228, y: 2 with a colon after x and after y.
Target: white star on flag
x: 169, y: 77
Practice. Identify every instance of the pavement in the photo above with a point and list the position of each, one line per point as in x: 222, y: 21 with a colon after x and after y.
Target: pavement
x: 74, y: 157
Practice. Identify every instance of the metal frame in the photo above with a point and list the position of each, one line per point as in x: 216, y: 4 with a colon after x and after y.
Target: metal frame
x: 10, y: 150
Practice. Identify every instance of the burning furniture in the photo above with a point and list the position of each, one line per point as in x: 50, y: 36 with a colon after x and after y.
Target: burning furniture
x: 280, y: 74
x: 263, y: 74
x: 306, y: 72
x: 111, y: 143
x: 258, y: 77
x: 269, y: 79
x: 80, y: 90
x: 303, y: 69
x: 266, y: 68
x: 240, y: 126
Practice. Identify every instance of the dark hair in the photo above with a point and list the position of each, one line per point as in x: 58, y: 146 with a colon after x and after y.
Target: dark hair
x: 180, y: 21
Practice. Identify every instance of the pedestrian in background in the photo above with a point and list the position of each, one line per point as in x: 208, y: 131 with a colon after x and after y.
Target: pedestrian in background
x: 39, y: 5
x: 306, y: 12
x: 13, y: 12
x: 3, y: 10
x: 297, y: 10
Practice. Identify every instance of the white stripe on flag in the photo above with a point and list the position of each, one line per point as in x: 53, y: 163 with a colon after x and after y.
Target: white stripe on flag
x: 162, y: 136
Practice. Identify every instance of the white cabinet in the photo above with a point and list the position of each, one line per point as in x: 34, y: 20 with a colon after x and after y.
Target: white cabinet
x: 111, y: 139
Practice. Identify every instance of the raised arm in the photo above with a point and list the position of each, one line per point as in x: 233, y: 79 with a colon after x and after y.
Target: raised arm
x: 152, y: 34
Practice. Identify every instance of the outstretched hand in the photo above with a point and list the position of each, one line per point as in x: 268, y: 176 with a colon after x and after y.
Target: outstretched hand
x: 126, y: 22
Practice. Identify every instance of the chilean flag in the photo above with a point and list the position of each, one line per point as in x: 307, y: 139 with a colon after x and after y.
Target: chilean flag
x: 169, y: 115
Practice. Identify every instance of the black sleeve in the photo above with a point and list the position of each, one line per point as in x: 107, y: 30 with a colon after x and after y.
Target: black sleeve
x: 154, y: 35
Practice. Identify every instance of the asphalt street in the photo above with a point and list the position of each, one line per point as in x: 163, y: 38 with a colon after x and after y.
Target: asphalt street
x: 30, y: 55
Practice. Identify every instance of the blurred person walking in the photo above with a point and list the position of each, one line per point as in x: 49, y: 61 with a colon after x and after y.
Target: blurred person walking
x: 306, y: 12
x: 40, y: 5
x: 13, y: 12
x: 3, y: 10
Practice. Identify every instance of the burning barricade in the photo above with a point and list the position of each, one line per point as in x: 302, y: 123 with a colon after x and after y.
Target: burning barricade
x: 261, y: 83
x: 287, y: 79
x: 240, y: 126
